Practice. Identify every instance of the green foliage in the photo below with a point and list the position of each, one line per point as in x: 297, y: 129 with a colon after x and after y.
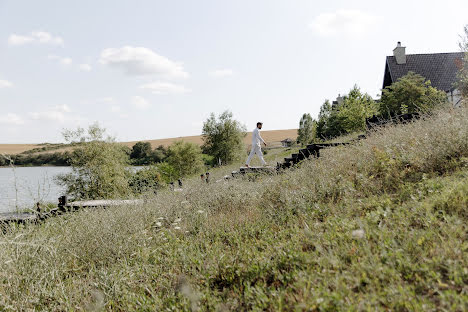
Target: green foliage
x: 147, y: 179
x: 185, y: 158
x: 30, y: 159
x: 347, y: 117
x: 99, y: 166
x: 375, y: 226
x: 411, y: 93
x: 167, y: 172
x: 159, y: 154
x: 307, y: 129
x: 462, y: 83
x: 223, y: 137
x: 141, y: 153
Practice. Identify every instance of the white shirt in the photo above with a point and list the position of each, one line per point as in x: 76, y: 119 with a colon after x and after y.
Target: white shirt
x: 257, y: 138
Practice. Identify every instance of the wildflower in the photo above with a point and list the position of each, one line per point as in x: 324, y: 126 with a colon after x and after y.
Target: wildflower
x: 158, y: 224
x: 177, y: 220
x: 200, y: 211
x: 176, y: 227
x: 161, y: 218
x: 358, y: 234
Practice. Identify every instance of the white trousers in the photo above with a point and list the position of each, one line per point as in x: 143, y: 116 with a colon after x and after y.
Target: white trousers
x: 256, y: 149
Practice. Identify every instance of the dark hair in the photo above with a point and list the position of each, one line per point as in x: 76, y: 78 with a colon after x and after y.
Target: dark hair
x: 259, y: 123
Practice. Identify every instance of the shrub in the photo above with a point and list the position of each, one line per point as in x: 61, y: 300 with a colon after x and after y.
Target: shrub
x: 99, y: 166
x: 410, y: 94
x: 185, y: 158
x: 223, y: 138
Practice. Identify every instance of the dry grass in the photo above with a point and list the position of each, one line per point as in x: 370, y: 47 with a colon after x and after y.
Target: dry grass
x: 10, y: 149
x: 377, y: 226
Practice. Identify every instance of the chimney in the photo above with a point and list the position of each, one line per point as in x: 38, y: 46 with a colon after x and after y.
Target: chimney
x: 340, y: 99
x: 400, y: 54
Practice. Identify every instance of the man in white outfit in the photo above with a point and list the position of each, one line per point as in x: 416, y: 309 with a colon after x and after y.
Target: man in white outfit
x: 256, y: 145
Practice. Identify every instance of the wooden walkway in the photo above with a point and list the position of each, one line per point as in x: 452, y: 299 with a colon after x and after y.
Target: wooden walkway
x: 103, y: 203
x: 28, y: 217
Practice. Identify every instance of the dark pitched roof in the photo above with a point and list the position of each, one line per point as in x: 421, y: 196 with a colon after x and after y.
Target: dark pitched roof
x: 440, y: 68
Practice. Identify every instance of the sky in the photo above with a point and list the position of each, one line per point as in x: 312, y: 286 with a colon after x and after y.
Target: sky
x: 157, y: 69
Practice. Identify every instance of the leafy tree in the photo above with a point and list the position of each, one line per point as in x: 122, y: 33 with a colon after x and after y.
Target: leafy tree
x: 354, y: 110
x: 141, y: 153
x: 223, y: 137
x: 462, y: 83
x: 159, y: 154
x: 411, y: 93
x: 99, y: 166
x: 185, y: 158
x: 307, y: 129
x: 349, y: 116
x: 323, y: 117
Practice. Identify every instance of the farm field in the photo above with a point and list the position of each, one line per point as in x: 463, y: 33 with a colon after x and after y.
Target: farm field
x: 273, y: 137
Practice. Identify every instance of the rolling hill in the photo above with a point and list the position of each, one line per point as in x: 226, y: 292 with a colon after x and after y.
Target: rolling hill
x: 273, y: 137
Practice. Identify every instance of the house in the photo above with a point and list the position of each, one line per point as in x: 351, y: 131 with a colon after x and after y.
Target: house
x: 337, y: 103
x: 440, y: 68
x: 287, y: 142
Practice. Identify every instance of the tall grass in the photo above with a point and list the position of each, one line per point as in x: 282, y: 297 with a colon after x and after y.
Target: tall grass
x: 379, y: 225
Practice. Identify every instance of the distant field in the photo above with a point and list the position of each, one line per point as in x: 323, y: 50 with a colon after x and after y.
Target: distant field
x: 273, y: 137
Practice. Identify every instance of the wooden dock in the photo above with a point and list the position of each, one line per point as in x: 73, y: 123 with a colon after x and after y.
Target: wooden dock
x: 22, y: 217
x: 103, y: 203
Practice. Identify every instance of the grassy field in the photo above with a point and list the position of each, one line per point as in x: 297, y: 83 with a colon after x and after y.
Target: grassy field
x: 271, y: 136
x: 376, y: 226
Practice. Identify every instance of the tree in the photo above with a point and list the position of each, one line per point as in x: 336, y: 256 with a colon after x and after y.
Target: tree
x: 346, y: 117
x: 307, y: 129
x: 99, y: 166
x: 185, y: 158
x: 323, y: 117
x: 223, y: 137
x: 409, y: 94
x: 159, y: 154
x: 141, y: 153
x: 462, y: 83
x: 354, y: 110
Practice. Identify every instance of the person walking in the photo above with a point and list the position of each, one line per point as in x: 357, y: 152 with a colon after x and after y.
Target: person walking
x: 257, y: 140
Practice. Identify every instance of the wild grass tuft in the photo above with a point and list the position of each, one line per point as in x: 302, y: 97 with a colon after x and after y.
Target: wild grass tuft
x: 379, y: 225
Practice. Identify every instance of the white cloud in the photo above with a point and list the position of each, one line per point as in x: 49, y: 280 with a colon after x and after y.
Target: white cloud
x: 11, y: 119
x: 222, y: 73
x: 63, y: 108
x: 35, y: 37
x: 57, y: 114
x: 142, y: 61
x: 5, y: 84
x: 160, y: 87
x: 107, y: 99
x: 65, y: 61
x: 140, y: 102
x: 348, y: 22
x: 115, y: 109
x: 84, y: 67
x: 48, y: 116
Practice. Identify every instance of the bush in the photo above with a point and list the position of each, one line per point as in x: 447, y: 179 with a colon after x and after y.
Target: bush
x: 223, y: 138
x: 145, y: 180
x: 410, y: 94
x: 185, y: 158
x: 99, y: 166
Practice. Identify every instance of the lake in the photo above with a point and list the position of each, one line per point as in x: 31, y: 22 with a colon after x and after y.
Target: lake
x: 24, y: 186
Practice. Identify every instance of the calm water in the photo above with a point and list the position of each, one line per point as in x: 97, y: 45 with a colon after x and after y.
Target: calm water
x: 31, y: 184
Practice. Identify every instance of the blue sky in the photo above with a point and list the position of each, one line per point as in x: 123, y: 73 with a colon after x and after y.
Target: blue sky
x: 157, y: 69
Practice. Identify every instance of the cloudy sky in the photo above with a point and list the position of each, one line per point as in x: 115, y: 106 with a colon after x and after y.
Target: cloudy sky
x: 156, y: 69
